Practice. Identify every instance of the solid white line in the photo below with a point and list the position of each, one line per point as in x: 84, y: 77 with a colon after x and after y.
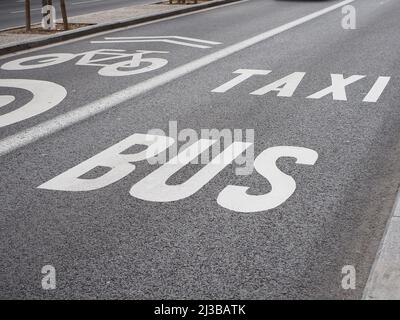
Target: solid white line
x: 384, y: 280
x: 70, y: 118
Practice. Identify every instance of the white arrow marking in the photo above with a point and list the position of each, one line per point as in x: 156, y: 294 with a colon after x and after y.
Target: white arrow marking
x: 167, y: 37
x: 160, y: 39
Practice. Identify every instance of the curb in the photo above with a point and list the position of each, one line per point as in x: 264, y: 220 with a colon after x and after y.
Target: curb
x: 68, y: 35
x: 383, y: 282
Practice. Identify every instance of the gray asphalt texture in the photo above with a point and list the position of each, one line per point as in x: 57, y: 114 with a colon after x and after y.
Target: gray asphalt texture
x: 107, y: 244
x: 10, y: 15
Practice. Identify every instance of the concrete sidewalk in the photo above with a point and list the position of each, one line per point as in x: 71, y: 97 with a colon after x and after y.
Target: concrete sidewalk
x: 125, y: 13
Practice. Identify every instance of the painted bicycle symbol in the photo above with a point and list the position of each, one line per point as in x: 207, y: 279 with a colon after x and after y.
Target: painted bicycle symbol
x: 112, y: 62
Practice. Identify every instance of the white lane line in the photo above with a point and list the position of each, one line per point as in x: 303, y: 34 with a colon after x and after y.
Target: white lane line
x: 384, y: 280
x: 166, y: 39
x: 72, y: 117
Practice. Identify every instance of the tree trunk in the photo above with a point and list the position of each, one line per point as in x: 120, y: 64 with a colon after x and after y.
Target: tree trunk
x: 28, y: 15
x: 64, y: 14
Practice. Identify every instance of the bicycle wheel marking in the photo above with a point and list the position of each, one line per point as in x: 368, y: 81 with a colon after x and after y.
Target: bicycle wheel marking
x: 5, y: 100
x: 46, y: 95
x: 46, y: 61
x: 121, y: 69
x: 135, y: 63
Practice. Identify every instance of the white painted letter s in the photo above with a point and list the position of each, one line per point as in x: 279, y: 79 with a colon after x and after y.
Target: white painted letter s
x: 235, y: 198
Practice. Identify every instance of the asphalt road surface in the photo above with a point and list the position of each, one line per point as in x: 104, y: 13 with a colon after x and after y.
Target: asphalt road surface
x: 112, y: 230
x: 12, y: 12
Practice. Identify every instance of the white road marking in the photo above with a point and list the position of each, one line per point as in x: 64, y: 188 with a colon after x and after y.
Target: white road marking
x: 244, y: 74
x: 338, y: 87
x: 384, y: 279
x: 43, y: 60
x: 128, y: 67
x: 283, y: 186
x: 66, y: 120
x: 154, y: 40
x: 154, y: 186
x: 46, y: 95
x: 377, y: 89
x: 5, y: 100
x: 120, y: 164
x: 285, y: 86
x: 41, y: 48
x: 166, y: 39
